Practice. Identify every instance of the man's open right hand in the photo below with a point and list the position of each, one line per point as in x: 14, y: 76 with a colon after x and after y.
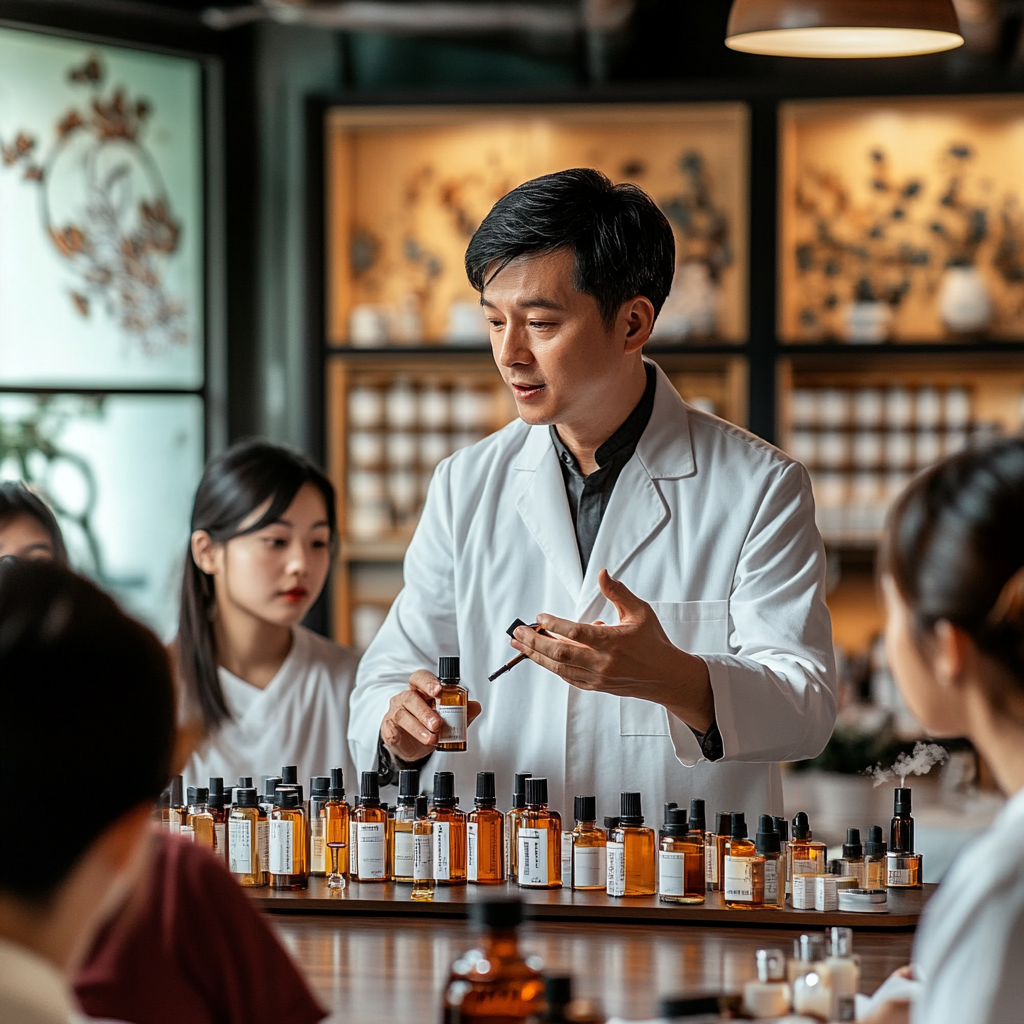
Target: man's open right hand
x: 411, y: 726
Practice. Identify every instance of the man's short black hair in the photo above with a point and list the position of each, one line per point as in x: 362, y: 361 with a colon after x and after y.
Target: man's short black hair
x: 86, y: 721
x: 622, y: 243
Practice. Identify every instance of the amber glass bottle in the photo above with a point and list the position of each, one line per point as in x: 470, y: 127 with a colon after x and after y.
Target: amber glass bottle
x: 492, y: 983
x: 422, y: 853
x: 512, y: 819
x: 200, y: 817
x: 806, y: 857
x: 589, y: 848
x: 403, y: 854
x: 714, y: 851
x: 220, y: 816
x: 172, y: 806
x: 874, y: 859
x: 452, y: 705
x: 288, y: 866
x: 246, y: 828
x: 449, y: 832
x: 743, y: 877
x: 680, y: 860
x: 370, y: 822
x: 319, y: 787
x: 485, y: 828
x: 632, y: 852
x: 540, y: 840
x: 336, y: 830
x: 768, y: 845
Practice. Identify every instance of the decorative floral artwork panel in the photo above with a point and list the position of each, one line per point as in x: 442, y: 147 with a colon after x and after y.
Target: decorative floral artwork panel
x: 101, y: 215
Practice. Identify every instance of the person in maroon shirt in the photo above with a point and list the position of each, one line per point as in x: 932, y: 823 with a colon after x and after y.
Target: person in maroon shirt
x: 189, y: 946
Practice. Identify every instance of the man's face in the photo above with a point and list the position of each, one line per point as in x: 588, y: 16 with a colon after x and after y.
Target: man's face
x: 550, y: 342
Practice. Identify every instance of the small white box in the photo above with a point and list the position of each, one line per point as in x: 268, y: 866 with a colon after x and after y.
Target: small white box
x: 803, y: 892
x: 826, y: 893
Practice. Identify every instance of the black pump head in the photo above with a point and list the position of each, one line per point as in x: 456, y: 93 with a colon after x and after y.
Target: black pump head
x: 723, y: 821
x: 270, y: 784
x: 422, y: 808
x: 557, y: 991
x: 369, y: 789
x: 536, y: 792
x: 738, y: 825
x: 631, y: 811
x: 697, y: 818
x: 519, y: 789
x: 245, y: 796
x: 319, y: 787
x: 290, y: 775
x: 216, y: 791
x: 853, y: 848
x: 675, y: 822
x: 585, y: 808
x: 202, y: 795
x: 485, y: 795
x: 497, y: 913
x: 286, y: 799
x: 444, y: 789
x: 337, y: 790
x: 244, y: 782
x: 782, y: 827
x: 177, y: 791
x: 408, y: 782
x: 610, y: 823
x: 901, y: 803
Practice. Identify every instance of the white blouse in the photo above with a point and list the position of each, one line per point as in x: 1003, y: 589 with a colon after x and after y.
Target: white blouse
x: 968, y: 947
x: 300, y: 718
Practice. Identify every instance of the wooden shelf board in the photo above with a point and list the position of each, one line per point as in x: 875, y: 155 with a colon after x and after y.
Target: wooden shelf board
x: 384, y: 550
x: 905, y: 348
x: 651, y: 349
x: 391, y: 899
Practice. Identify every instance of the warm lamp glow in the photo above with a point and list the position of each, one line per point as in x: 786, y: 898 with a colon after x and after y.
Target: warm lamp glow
x: 843, y: 28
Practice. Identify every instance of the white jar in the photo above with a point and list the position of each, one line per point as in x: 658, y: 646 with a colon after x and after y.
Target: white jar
x: 369, y: 520
x: 434, y: 446
x: 867, y: 449
x: 365, y: 407
x: 899, y: 449
x: 366, y: 487
x: 365, y: 449
x: 964, y: 302
x: 834, y: 407
x: 833, y: 449
x: 928, y: 407
x: 401, y: 406
x: 404, y: 492
x: 804, y: 404
x: 957, y: 408
x: 434, y: 408
x: 803, y: 446
x: 899, y: 407
x: 367, y: 326
x: 472, y: 408
x: 402, y: 449
x: 927, y: 447
x: 867, y: 407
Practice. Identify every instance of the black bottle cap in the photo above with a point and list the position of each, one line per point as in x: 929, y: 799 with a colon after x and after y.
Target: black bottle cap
x: 422, y: 808
x: 357, y: 800
x: 697, y: 818
x: 216, y: 792
x: 190, y: 795
x: 485, y: 796
x: 229, y: 796
x: 369, y: 795
x: 337, y: 790
x: 444, y: 789
x: 801, y: 826
x: 723, y: 822
x: 286, y: 799
x: 519, y: 789
x: 738, y: 825
x: 678, y: 1007
x: 245, y: 796
x: 176, y: 791
x: 290, y: 775
x: 408, y: 782
x: 585, y: 808
x: 244, y: 782
x: 536, y: 791
x: 557, y: 991
x: 319, y: 787
x: 901, y: 805
x: 675, y: 822
x: 389, y: 811
x: 782, y: 827
x: 610, y: 823
x: 767, y: 839
x: 853, y: 847
x: 293, y: 786
x: 270, y: 784
x: 202, y: 795
x: 497, y: 913
x: 666, y: 807
x: 631, y: 813
x: 447, y: 668
x: 875, y: 846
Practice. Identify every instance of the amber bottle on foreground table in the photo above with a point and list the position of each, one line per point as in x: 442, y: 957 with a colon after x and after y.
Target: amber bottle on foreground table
x: 370, y: 822
x: 540, y: 840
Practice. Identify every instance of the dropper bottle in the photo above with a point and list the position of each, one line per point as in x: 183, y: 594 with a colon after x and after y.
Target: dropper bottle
x: 874, y: 859
x: 903, y: 867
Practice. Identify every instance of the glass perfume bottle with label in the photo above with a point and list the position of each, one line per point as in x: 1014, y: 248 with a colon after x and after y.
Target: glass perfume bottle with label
x: 714, y: 851
x: 449, y: 832
x: 452, y: 705
x: 422, y: 853
x: 200, y: 819
x: 540, y: 840
x: 247, y: 837
x: 874, y: 859
x: 903, y: 867
x: 512, y: 819
x: 288, y: 866
x: 405, y: 818
x: 319, y: 788
x: 216, y: 806
x: 485, y: 828
x: 743, y: 876
x: 589, y: 848
x: 631, y: 852
x: 806, y: 857
x: 851, y: 865
x: 336, y: 830
x: 768, y: 844
x: 370, y: 824
x: 680, y: 860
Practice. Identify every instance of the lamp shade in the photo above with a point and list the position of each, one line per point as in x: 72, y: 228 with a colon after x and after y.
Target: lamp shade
x: 843, y: 28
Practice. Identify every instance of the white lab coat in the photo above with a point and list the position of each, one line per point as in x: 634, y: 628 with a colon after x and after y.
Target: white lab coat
x: 711, y: 525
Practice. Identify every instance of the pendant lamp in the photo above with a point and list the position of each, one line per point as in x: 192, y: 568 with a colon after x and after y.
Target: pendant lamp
x: 843, y: 28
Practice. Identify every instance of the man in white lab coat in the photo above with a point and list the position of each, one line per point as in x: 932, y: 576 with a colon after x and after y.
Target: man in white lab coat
x: 673, y: 555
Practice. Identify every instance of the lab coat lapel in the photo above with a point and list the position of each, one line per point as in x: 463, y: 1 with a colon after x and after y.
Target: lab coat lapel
x: 544, y: 508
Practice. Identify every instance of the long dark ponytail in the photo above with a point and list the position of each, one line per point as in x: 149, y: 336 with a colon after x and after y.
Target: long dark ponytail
x: 234, y: 484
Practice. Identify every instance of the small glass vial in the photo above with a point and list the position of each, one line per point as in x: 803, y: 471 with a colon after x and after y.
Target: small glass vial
x: 903, y: 867
x: 247, y: 840
x: 631, y: 852
x: 369, y: 863
x: 809, y: 952
x: 422, y: 854
x: 714, y: 851
x: 512, y: 819
x: 319, y: 788
x: 485, y: 835
x: 743, y: 877
x: 589, y: 863
x: 874, y: 859
x: 200, y: 819
x: 216, y: 807
x: 336, y: 830
x: 851, y: 865
x: 452, y: 704
x: 769, y: 996
x: 540, y: 840
x: 806, y: 857
x: 680, y: 860
x: 449, y: 832
x: 288, y: 866
x: 845, y: 969
x: 768, y: 845
x: 404, y: 854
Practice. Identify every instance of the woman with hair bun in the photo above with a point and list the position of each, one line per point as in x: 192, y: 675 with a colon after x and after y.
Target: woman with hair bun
x: 952, y: 575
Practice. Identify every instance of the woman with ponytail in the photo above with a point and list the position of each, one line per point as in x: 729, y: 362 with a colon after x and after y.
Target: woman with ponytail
x: 257, y: 689
x: 952, y: 575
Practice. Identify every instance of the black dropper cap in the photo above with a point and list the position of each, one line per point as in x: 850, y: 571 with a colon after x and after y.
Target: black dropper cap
x: 337, y: 790
x: 422, y: 808
x: 697, y: 819
x: 286, y: 799
x: 519, y: 789
x: 244, y: 782
x: 369, y: 790
x: 408, y: 785
x: 270, y: 784
x: 444, y: 789
x: 630, y: 811
x: 485, y: 796
x: 801, y: 826
x: 290, y: 775
x: 557, y: 994
x: 738, y: 825
x: 177, y: 791
x: 216, y: 792
x: 901, y: 804
x: 536, y: 792
x: 723, y: 822
x: 875, y: 846
x: 782, y: 827
x: 610, y: 823
x: 190, y: 795
x: 675, y: 822
x: 319, y: 787
x: 767, y: 839
x: 585, y: 808
x: 853, y: 848
x: 245, y: 796
x: 497, y: 913
x: 202, y: 795
x: 447, y: 669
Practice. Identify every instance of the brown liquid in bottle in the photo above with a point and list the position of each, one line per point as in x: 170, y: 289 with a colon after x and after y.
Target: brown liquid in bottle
x: 452, y: 704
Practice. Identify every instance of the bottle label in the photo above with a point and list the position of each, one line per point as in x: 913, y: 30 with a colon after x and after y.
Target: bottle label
x: 187, y: 832
x: 370, y: 836
x: 240, y: 846
x: 472, y: 851
x: 589, y: 867
x: 771, y: 880
x: 616, y: 877
x: 711, y: 864
x: 423, y: 857
x: 898, y: 876
x: 739, y: 879
x: 442, y: 851
x: 567, y: 859
x: 533, y: 857
x: 803, y: 892
x: 282, y: 854
x: 453, y: 723
x: 263, y: 843
x: 317, y: 850
x: 806, y: 866
x: 173, y: 821
x: 403, y: 854
x: 353, y: 836
x: 671, y: 869
x: 220, y: 838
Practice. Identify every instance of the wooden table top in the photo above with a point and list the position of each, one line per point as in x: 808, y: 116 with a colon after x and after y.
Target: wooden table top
x: 392, y: 899
x: 369, y: 969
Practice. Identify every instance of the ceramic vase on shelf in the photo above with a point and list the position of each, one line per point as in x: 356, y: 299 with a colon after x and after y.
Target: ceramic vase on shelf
x: 691, y: 309
x: 964, y: 302
x: 867, y: 322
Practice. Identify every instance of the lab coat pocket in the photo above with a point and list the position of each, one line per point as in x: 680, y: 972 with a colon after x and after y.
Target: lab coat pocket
x: 698, y: 627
